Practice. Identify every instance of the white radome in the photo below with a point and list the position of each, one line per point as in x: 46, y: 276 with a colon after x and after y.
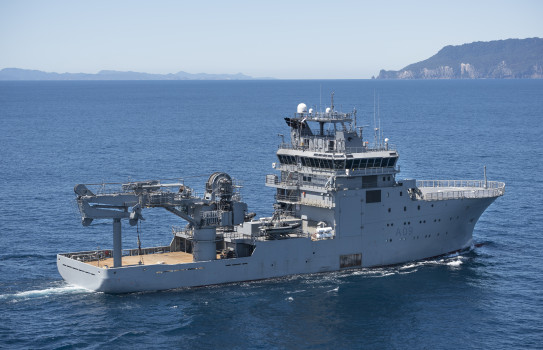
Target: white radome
x: 302, y: 108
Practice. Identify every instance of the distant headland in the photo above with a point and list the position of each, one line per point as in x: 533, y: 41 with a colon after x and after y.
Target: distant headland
x: 28, y: 74
x: 500, y: 59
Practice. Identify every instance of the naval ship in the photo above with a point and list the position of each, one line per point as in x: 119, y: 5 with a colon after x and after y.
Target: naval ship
x: 338, y: 206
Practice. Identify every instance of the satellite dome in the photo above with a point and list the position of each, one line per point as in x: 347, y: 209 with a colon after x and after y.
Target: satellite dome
x: 328, y: 110
x: 302, y: 108
x: 310, y: 110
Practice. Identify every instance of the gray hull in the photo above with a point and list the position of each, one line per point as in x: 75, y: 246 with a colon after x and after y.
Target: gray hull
x: 372, y: 244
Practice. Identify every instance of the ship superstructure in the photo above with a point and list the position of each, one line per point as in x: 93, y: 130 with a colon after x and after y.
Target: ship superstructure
x: 338, y: 206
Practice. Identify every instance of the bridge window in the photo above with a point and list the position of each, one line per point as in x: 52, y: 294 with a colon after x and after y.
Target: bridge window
x: 339, y: 164
x: 285, y: 159
x: 326, y: 163
x: 392, y: 161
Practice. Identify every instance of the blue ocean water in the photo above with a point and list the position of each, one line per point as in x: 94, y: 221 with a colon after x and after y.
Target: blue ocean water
x: 54, y: 135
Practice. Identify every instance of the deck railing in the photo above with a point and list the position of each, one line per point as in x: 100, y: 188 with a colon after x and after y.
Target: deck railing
x: 285, y: 198
x: 100, y: 254
x: 347, y: 150
x: 456, y: 189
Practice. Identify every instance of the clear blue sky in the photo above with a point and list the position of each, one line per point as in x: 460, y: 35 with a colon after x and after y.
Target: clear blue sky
x: 282, y: 39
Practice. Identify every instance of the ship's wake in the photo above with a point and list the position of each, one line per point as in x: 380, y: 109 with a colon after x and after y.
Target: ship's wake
x: 64, y: 289
x: 452, y: 261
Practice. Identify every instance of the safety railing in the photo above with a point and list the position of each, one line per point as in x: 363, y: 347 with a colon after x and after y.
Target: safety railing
x: 272, y: 179
x: 285, y: 198
x: 337, y: 172
x: 101, y: 254
x: 456, y: 189
x: 348, y: 150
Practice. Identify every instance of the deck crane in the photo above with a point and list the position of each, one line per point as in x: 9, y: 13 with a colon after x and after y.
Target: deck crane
x: 220, y: 206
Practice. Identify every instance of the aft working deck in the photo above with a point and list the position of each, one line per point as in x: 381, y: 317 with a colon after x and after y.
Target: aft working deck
x: 132, y: 257
x: 170, y: 258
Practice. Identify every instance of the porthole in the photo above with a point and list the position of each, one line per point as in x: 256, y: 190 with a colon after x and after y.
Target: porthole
x: 418, y: 207
x: 404, y: 208
x: 389, y: 210
x: 401, y: 193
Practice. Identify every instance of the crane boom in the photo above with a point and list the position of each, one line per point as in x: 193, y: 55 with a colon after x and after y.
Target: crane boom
x: 221, y: 206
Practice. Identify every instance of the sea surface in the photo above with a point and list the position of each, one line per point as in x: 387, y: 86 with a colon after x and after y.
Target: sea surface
x: 54, y: 135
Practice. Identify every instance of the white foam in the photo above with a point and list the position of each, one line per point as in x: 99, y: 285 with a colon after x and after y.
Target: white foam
x: 408, y: 266
x: 407, y: 272
x: 44, y: 293
x: 455, y: 263
x: 453, y: 260
x: 295, y: 291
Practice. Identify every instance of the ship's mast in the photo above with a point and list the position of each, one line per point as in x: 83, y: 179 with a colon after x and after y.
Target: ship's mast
x: 375, y: 129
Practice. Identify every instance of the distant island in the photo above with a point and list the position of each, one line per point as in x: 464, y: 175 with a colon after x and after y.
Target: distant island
x: 500, y: 59
x: 27, y: 74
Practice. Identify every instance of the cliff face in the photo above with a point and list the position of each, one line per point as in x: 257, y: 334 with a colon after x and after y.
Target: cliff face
x: 501, y: 59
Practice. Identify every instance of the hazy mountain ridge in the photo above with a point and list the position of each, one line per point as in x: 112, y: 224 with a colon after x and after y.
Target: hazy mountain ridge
x: 28, y: 74
x: 500, y: 59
